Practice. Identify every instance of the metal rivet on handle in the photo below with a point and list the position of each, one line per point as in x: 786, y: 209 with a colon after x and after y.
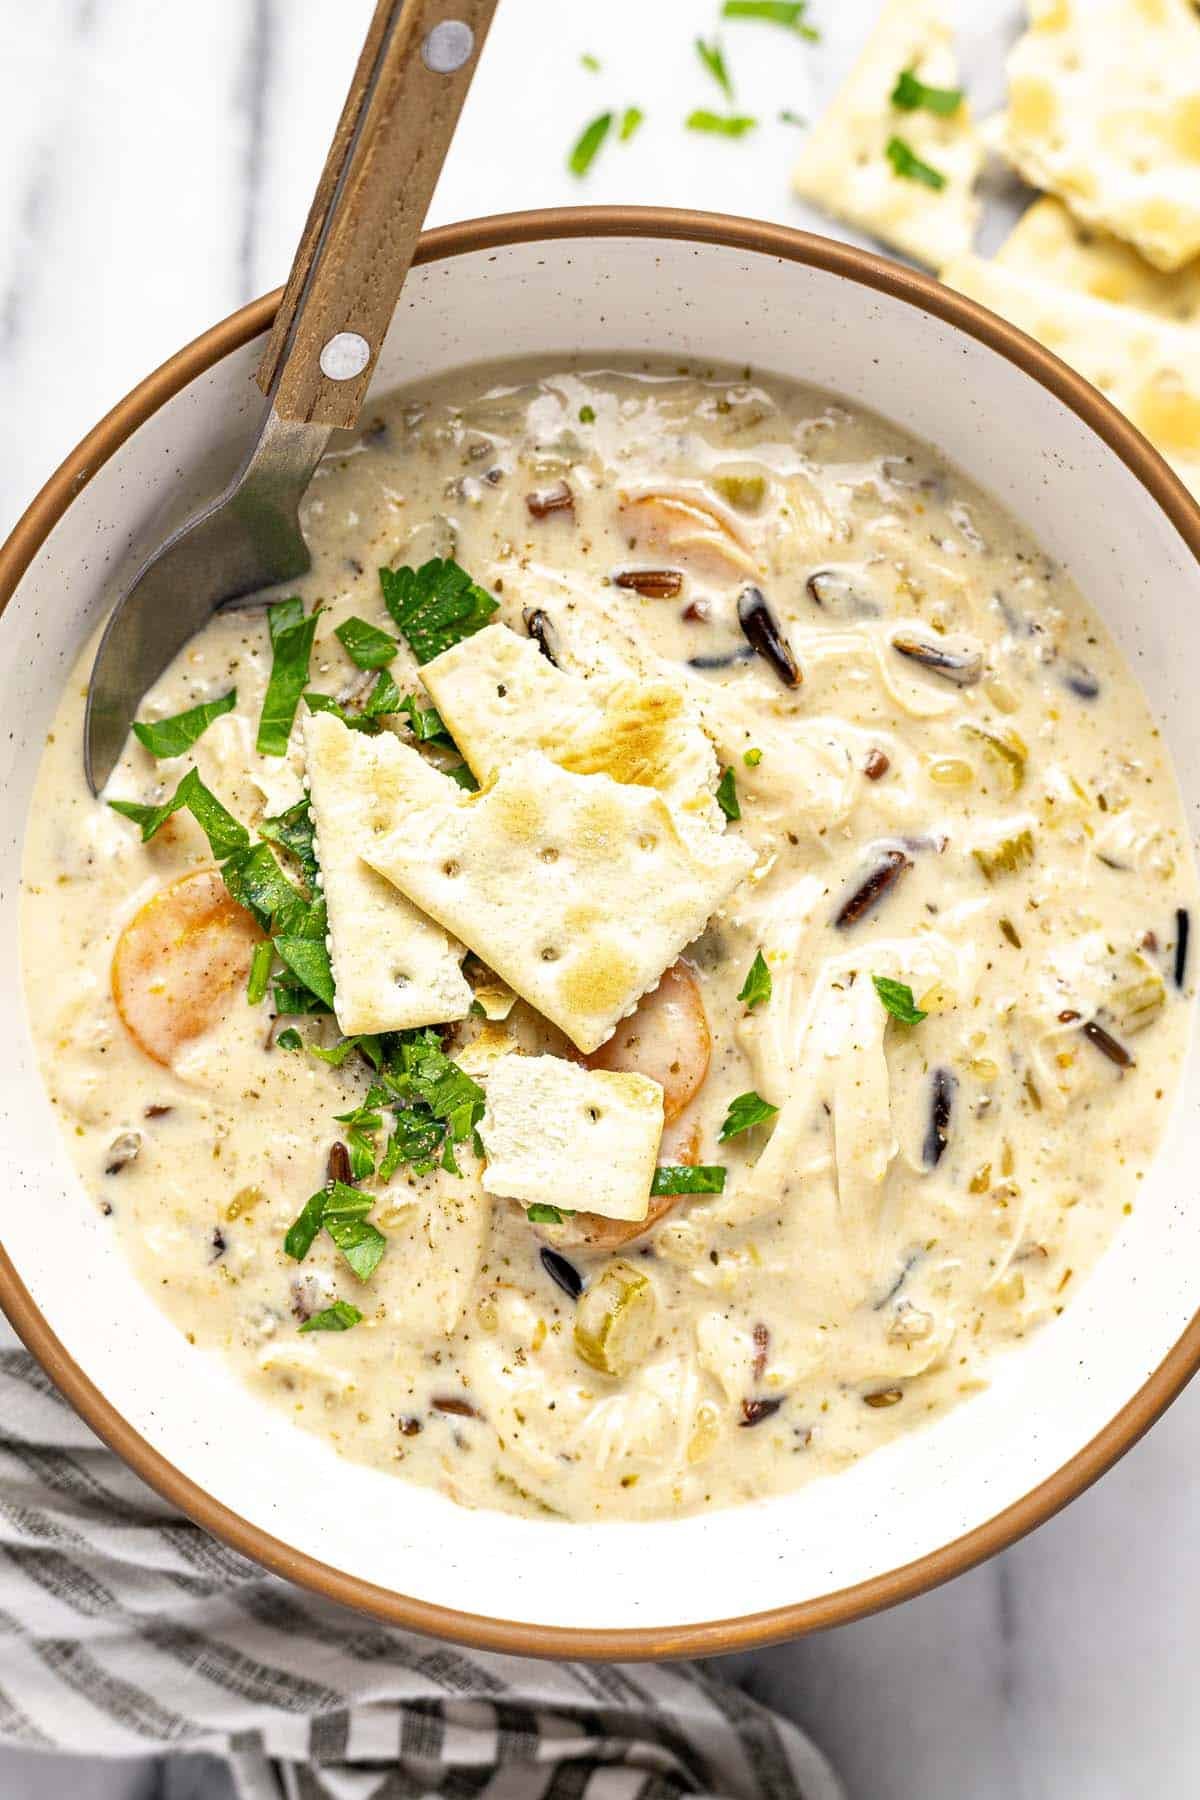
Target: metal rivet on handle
x: 448, y: 46
x: 345, y: 356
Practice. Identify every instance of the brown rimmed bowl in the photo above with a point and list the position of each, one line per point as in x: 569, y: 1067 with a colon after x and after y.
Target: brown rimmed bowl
x: 1061, y: 1409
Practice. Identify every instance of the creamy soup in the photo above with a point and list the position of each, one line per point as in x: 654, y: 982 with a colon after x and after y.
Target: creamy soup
x: 914, y: 1060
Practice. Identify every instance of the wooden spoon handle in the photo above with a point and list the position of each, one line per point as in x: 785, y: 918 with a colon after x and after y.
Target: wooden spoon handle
x: 370, y: 204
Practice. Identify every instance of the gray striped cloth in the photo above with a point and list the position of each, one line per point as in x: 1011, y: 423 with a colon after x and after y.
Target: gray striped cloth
x: 125, y: 1629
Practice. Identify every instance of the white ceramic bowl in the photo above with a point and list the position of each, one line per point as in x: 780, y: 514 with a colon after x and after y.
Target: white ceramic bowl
x: 1058, y: 1411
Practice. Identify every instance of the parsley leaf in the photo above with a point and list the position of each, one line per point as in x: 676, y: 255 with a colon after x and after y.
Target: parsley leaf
x: 260, y: 972
x: 788, y: 117
x: 757, y: 985
x: 303, y: 1232
x: 541, y: 1214
x: 752, y: 758
x: 909, y: 93
x: 341, y: 1210
x: 338, y: 1317
x: 293, y: 1001
x: 308, y: 959
x: 291, y: 651
x: 172, y: 737
x: 462, y: 774
x: 438, y: 1105
x: 713, y: 58
x: 364, y: 644
x: 747, y: 1110
x: 289, y: 1039
x: 584, y: 149
x: 685, y: 1178
x: 734, y: 125
x: 370, y: 1045
x: 789, y: 13
x: 727, y: 798
x: 361, y: 1243
x: 906, y: 162
x: 222, y: 830
x: 587, y: 415
x: 427, y: 727
x: 257, y: 882
x: 897, y: 998
x: 591, y: 63
x: 435, y: 606
x: 383, y: 698
x: 293, y: 831
x: 631, y: 119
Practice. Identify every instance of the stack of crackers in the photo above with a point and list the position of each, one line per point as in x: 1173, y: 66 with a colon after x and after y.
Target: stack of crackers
x: 1103, y: 115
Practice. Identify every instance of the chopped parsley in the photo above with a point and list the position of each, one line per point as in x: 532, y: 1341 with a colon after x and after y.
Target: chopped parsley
x: 260, y: 972
x: 685, y: 1178
x: 342, y: 1211
x: 222, y: 830
x: 587, y: 415
x: 733, y: 125
x: 370, y: 1046
x: 591, y: 63
x: 291, y: 651
x: 631, y: 119
x: 289, y: 1040
x: 365, y: 645
x: 462, y: 774
x: 747, y: 1110
x: 897, y: 998
x: 788, y: 117
x: 307, y: 957
x: 587, y: 145
x: 910, y: 93
x: 752, y: 758
x: 338, y: 1317
x: 384, y: 698
x: 757, y: 986
x: 713, y: 58
x: 789, y: 13
x: 426, y: 723
x: 296, y: 922
x: 727, y: 796
x: 906, y: 162
x: 293, y: 831
x: 541, y: 1214
x: 434, y: 1105
x: 173, y: 737
x: 435, y: 606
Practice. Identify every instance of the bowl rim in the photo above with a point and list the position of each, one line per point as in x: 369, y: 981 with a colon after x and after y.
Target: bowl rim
x: 516, y: 1637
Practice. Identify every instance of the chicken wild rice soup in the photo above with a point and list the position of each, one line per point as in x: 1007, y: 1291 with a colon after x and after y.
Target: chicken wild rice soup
x: 647, y: 970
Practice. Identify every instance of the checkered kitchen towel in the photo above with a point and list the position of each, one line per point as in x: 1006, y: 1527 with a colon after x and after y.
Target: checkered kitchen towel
x: 125, y: 1629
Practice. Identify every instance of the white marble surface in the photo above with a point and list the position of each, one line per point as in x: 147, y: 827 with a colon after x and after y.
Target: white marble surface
x: 155, y: 165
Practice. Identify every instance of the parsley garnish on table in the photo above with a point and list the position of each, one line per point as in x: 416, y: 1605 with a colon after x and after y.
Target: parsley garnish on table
x: 732, y: 125
x: 906, y: 162
x: 909, y: 93
x: 788, y: 13
x: 713, y: 58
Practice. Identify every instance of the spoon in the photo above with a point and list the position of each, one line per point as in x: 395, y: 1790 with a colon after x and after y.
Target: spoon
x: 358, y: 242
